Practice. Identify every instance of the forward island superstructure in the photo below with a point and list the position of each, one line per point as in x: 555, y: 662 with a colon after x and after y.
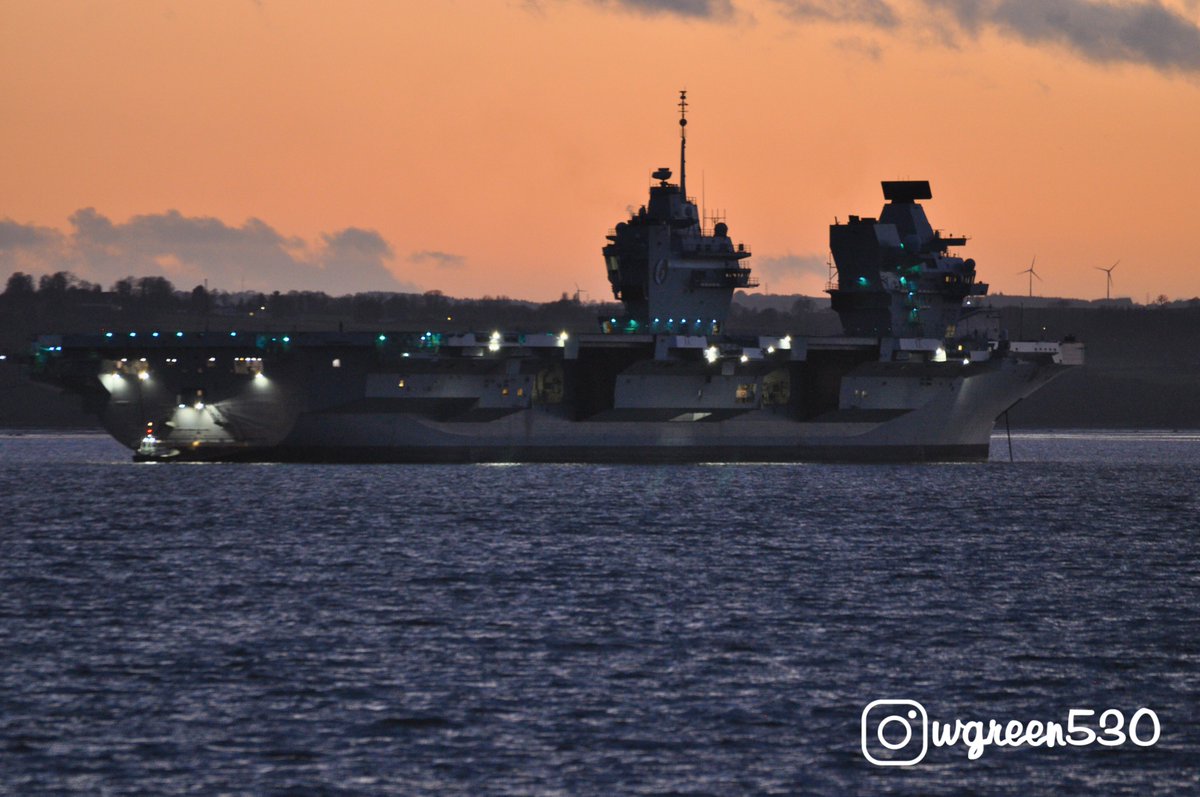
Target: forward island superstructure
x: 915, y: 377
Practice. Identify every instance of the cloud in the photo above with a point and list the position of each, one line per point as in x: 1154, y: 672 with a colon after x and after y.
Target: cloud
x: 438, y: 259
x: 856, y: 45
x: 1153, y: 33
x: 22, y: 246
x: 694, y: 9
x: 877, y: 13
x: 14, y: 236
x: 783, y: 268
x: 1144, y: 32
x: 190, y: 249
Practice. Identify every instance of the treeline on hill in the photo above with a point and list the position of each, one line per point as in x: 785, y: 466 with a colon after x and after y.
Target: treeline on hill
x: 1143, y: 361
x: 64, y: 303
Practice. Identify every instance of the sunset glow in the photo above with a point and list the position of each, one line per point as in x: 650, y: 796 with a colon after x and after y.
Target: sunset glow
x: 484, y: 147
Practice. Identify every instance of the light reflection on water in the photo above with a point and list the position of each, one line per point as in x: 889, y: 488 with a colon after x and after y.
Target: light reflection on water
x: 580, y: 629
x: 1098, y: 446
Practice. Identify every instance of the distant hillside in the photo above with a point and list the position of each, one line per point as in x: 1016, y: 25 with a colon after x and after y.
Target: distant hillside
x: 1143, y: 362
x: 1143, y: 367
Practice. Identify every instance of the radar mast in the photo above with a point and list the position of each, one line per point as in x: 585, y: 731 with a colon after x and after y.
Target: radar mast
x: 683, y: 144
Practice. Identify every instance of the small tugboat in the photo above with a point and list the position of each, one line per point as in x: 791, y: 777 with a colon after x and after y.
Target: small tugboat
x: 152, y: 449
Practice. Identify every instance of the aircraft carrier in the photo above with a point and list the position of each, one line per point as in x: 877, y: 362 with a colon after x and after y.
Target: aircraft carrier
x: 918, y: 375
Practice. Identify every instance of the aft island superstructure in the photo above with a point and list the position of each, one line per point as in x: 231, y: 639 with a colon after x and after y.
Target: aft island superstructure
x: 915, y: 377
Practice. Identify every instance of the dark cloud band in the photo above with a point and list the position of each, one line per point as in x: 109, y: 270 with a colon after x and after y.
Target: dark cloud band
x: 699, y: 9
x: 1138, y: 33
x: 190, y: 249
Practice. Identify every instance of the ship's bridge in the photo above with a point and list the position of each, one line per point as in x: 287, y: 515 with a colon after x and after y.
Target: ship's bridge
x: 671, y: 274
x: 896, y: 277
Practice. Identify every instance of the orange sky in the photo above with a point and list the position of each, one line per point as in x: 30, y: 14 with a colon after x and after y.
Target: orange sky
x: 492, y: 143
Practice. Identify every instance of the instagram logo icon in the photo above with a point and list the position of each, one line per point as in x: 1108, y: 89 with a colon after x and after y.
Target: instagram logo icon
x: 895, y: 733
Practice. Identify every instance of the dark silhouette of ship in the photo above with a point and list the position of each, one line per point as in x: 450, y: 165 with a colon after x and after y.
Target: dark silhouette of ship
x: 917, y: 376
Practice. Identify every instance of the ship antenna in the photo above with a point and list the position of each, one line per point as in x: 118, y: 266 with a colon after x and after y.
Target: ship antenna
x: 683, y: 144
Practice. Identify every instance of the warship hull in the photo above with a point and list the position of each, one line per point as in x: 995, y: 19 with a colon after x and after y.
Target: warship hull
x: 649, y: 399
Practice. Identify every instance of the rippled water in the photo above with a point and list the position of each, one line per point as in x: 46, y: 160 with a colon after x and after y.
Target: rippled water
x: 548, y: 629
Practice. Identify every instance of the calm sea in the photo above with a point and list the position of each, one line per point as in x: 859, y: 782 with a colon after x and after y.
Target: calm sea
x: 580, y: 630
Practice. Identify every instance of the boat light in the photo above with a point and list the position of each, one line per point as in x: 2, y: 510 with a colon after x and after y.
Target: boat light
x: 939, y: 355
x: 745, y: 359
x: 712, y: 354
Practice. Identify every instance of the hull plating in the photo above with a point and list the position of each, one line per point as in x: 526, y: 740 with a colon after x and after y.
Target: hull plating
x: 952, y: 423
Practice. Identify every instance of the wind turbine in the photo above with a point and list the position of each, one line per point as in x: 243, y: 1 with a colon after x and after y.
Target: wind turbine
x: 1108, y: 273
x: 1031, y: 274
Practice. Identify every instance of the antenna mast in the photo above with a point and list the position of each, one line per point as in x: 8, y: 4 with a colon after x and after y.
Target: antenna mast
x: 683, y: 144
